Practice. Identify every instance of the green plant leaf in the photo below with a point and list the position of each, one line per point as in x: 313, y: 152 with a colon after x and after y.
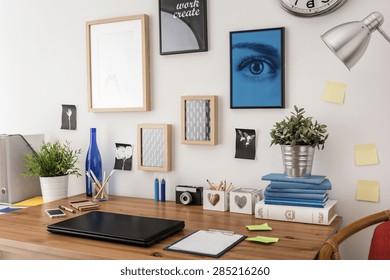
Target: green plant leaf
x: 53, y: 159
x: 297, y: 129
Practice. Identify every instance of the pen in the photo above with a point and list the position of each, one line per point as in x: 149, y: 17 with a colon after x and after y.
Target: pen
x: 66, y: 209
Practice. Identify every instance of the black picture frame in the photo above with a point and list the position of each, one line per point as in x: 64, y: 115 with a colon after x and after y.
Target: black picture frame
x: 257, y: 68
x: 183, y: 26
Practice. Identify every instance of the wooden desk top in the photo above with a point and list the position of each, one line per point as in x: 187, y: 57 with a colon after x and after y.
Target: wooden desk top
x: 24, y: 235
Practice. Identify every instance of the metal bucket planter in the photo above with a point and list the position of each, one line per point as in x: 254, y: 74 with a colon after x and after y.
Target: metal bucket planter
x: 297, y: 160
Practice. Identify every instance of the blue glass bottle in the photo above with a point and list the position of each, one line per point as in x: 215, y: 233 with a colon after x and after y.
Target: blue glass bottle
x: 93, y: 162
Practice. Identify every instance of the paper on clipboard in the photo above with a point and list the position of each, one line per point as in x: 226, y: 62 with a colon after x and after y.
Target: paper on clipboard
x: 212, y: 243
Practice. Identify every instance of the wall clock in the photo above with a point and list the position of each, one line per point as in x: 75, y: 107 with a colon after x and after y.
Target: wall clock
x: 310, y: 8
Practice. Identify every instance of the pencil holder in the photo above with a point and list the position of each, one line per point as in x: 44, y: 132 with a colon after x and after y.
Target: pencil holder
x: 243, y: 200
x: 216, y: 200
x: 99, y: 193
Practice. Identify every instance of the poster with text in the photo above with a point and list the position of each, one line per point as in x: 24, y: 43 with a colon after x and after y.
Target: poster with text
x: 183, y: 26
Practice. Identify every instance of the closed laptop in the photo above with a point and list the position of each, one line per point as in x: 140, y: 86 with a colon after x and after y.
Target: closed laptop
x: 134, y: 230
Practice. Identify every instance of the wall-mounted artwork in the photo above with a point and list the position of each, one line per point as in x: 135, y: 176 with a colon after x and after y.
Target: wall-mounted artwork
x: 257, y: 68
x: 199, y: 120
x: 245, y: 143
x: 123, y: 156
x: 69, y: 117
x: 183, y: 26
x: 118, y: 64
x: 154, y: 147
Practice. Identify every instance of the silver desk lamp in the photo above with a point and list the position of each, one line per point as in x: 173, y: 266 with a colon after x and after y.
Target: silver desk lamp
x: 350, y: 40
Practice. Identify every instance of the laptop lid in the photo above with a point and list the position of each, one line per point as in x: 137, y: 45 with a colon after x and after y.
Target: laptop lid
x: 134, y: 230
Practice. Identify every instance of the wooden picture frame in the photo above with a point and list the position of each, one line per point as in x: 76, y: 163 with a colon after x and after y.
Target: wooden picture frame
x: 257, y: 68
x: 118, y: 64
x: 154, y: 147
x: 183, y: 26
x: 199, y: 120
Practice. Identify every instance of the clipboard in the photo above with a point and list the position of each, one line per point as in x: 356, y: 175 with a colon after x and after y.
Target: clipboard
x: 210, y: 243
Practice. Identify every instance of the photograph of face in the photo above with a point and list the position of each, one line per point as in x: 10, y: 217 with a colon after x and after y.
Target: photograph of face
x: 256, y: 67
x: 123, y: 156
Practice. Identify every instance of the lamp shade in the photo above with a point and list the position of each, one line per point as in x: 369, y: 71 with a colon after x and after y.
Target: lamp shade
x: 349, y: 41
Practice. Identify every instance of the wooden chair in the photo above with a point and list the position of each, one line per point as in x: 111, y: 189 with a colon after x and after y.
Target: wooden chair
x: 330, y: 249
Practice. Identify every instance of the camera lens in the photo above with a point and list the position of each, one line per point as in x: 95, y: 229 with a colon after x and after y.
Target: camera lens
x: 185, y: 198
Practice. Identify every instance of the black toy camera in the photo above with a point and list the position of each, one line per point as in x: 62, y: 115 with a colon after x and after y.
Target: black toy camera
x: 189, y: 195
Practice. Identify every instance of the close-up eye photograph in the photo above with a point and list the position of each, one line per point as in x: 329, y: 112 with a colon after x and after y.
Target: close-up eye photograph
x: 257, y: 65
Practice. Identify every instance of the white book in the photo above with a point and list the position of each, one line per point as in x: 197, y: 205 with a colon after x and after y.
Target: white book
x: 298, y: 214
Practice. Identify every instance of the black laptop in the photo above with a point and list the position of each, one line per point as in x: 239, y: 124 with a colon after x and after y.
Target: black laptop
x: 134, y: 230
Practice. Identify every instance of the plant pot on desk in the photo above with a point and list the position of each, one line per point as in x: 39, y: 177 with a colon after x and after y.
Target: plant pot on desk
x: 297, y: 160
x: 54, y: 188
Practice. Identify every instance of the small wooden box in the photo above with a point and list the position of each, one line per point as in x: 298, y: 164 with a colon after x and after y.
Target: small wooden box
x: 216, y: 200
x: 243, y: 200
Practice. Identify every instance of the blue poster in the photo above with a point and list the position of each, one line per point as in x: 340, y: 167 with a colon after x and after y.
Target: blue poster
x: 257, y: 68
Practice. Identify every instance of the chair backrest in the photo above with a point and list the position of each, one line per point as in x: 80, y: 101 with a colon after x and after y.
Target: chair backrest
x: 330, y: 249
x: 380, y: 243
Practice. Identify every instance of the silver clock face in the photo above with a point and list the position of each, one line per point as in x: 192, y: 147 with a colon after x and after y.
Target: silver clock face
x: 309, y: 8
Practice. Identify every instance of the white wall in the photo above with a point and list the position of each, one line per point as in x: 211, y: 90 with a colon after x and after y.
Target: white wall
x: 43, y: 65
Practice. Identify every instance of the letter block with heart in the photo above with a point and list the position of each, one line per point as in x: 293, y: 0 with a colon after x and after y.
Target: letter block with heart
x: 243, y: 200
x: 216, y: 200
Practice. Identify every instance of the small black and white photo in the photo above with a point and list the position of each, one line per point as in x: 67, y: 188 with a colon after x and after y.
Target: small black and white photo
x: 123, y: 156
x: 245, y: 143
x: 69, y: 117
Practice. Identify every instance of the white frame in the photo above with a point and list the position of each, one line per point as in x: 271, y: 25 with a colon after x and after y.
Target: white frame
x: 118, y: 64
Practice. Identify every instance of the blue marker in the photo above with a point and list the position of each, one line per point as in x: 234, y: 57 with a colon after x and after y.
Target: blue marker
x: 162, y: 190
x: 156, y: 186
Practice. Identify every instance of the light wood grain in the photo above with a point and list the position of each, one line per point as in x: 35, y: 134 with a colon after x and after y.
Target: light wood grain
x: 213, y: 99
x: 144, y: 21
x: 24, y: 235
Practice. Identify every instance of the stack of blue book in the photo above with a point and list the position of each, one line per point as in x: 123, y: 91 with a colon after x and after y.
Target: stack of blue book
x: 309, y: 192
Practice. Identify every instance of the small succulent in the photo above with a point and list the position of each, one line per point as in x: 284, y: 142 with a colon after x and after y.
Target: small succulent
x: 299, y: 130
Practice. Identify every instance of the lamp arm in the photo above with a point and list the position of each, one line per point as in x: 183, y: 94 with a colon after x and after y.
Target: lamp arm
x: 380, y: 30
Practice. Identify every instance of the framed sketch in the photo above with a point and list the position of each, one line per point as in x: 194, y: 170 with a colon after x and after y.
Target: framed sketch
x: 154, y: 147
x: 199, y: 120
x: 183, y: 26
x: 257, y: 68
x: 118, y: 64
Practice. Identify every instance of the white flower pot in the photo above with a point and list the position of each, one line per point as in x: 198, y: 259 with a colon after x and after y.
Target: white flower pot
x: 54, y: 188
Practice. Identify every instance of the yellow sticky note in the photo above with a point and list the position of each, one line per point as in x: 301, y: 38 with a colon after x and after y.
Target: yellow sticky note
x: 259, y: 227
x: 29, y: 202
x: 263, y: 239
x: 368, y: 190
x: 366, y: 154
x: 334, y: 92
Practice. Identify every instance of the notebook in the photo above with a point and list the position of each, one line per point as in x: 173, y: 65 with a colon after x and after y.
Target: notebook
x: 134, y: 230
x: 211, y: 243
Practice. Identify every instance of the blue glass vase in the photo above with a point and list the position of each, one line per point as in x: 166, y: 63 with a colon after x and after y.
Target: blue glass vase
x: 93, y: 162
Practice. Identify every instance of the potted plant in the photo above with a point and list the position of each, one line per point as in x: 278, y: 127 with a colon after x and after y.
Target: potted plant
x: 298, y: 136
x: 53, y: 164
